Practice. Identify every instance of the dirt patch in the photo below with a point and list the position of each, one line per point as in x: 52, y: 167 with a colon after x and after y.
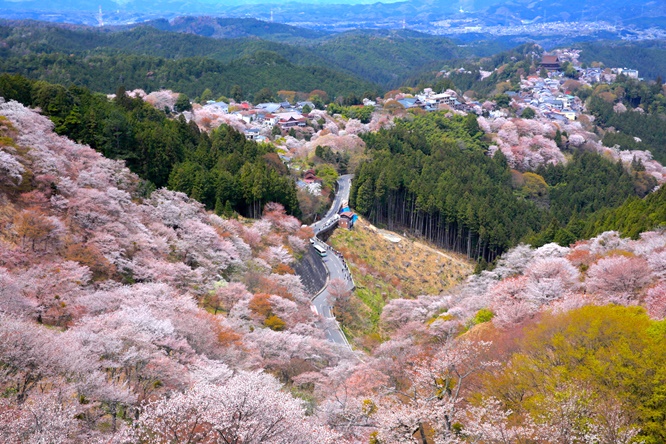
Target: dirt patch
x: 386, y: 265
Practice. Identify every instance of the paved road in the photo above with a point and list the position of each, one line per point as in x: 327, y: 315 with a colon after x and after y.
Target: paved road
x: 344, y: 187
x: 334, y: 264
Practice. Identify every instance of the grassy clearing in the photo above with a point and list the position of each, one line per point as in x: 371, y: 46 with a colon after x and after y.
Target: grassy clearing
x: 386, y: 266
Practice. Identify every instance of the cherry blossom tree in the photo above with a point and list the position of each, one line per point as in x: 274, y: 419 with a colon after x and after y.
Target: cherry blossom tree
x: 398, y: 312
x: 225, y: 296
x: 572, y: 414
x: 549, y: 279
x: 27, y: 355
x: 657, y: 262
x: 510, y: 302
x: 618, y: 279
x: 434, y: 397
x: 490, y: 423
x: 12, y: 301
x: 43, y: 419
x: 248, y: 408
x: 655, y: 301
x: 11, y: 170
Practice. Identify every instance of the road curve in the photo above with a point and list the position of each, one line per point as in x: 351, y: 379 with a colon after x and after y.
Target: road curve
x: 334, y: 263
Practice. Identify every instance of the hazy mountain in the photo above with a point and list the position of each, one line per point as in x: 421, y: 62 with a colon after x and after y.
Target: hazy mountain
x: 344, y: 13
x: 379, y: 56
x: 219, y: 27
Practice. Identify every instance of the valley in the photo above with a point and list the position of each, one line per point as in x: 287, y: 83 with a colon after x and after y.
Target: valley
x: 228, y: 230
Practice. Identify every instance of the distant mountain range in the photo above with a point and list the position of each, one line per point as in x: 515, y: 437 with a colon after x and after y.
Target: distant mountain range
x: 339, y: 14
x: 383, y: 57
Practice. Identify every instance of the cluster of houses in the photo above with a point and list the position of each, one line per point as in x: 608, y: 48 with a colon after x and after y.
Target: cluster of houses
x: 264, y: 115
x: 546, y: 95
x: 607, y: 75
x: 430, y: 101
x: 552, y: 62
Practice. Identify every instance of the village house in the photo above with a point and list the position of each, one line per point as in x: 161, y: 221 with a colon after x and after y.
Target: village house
x: 301, y: 105
x: 631, y: 73
x: 269, y: 107
x: 248, y: 116
x: 270, y: 120
x: 569, y: 114
x: 220, y: 107
x: 291, y: 120
x: 446, y: 98
x: 347, y: 220
x: 251, y: 134
x: 310, y: 183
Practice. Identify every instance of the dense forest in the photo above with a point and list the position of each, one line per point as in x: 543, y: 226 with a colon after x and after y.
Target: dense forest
x: 35, y: 37
x: 374, y: 59
x: 223, y: 170
x: 234, y: 28
x: 632, y: 218
x: 150, y: 59
x: 431, y: 175
x: 648, y: 56
x: 387, y: 57
x: 191, y: 76
x: 649, y: 127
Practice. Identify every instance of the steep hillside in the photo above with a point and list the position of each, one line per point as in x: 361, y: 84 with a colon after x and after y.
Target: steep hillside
x: 191, y: 76
x: 109, y: 299
x: 383, y: 57
x: 150, y: 59
x: 387, y: 57
x: 221, y: 169
x: 547, y: 329
x: 386, y: 266
x: 648, y: 57
x: 145, y: 39
x: 632, y: 218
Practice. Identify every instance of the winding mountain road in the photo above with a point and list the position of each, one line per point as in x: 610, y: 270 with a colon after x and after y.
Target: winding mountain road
x: 334, y: 263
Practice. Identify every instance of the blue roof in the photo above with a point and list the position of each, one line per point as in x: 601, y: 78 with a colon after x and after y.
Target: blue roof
x: 407, y: 103
x: 269, y: 107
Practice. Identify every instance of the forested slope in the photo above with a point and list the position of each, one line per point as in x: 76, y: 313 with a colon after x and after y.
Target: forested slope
x: 377, y: 57
x: 632, y: 218
x: 222, y: 170
x: 37, y: 37
x: 648, y: 57
x: 149, y: 59
x: 113, y: 303
x: 432, y: 175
